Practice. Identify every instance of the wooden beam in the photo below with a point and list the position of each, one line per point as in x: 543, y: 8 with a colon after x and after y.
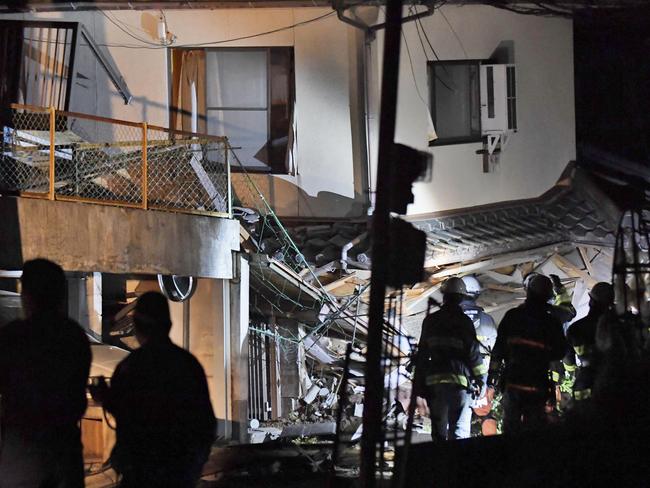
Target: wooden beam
x: 350, y: 279
x: 500, y: 306
x: 411, y: 305
x: 506, y: 288
x: 500, y: 261
x: 572, y: 270
x: 585, y: 259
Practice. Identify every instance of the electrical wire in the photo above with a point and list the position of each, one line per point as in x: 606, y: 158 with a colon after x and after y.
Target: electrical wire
x: 408, y: 52
x: 223, y: 41
x: 153, y: 45
x: 127, y: 25
x: 417, y: 30
x: 455, y: 35
x: 424, y: 32
x: 426, y: 55
x: 127, y: 32
x: 417, y: 88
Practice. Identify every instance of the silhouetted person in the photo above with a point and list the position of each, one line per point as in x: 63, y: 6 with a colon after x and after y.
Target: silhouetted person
x: 44, y: 365
x: 583, y: 354
x: 159, y: 398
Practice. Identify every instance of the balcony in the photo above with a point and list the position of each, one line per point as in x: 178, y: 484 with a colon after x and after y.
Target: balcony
x: 98, y: 194
x: 66, y: 156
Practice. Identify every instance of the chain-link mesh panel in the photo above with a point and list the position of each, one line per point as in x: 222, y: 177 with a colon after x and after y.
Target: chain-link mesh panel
x: 268, y: 233
x: 25, y: 162
x: 104, y: 159
x: 99, y: 160
x: 187, y: 173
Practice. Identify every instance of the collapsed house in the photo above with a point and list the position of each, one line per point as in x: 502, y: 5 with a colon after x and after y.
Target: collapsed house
x: 310, y: 293
x: 277, y: 297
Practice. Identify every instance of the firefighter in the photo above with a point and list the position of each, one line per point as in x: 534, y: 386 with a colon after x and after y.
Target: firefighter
x: 486, y: 334
x: 529, y: 338
x: 449, y: 362
x: 561, y: 376
x: 582, y: 341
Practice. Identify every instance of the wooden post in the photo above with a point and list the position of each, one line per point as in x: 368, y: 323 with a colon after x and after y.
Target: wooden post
x: 145, y: 166
x: 52, y: 150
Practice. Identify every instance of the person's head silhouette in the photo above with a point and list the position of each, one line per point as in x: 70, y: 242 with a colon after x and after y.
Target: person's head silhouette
x: 43, y: 288
x: 151, y: 317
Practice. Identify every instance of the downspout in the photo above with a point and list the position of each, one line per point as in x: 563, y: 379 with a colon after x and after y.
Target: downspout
x: 367, y: 54
x: 369, y: 33
x: 347, y: 247
x: 360, y: 38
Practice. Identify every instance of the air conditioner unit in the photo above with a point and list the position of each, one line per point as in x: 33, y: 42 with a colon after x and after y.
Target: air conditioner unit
x: 498, y: 99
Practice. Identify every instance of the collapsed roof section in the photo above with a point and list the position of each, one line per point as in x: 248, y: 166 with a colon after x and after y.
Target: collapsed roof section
x: 575, y: 211
x: 498, y: 242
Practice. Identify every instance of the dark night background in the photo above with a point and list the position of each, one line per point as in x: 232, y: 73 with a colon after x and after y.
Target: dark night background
x: 612, y: 83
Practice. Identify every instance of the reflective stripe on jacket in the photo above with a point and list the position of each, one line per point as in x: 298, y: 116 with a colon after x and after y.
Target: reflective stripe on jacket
x: 449, y: 351
x: 529, y: 338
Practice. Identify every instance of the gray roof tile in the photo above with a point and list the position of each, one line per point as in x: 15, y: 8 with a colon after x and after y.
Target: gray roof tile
x: 563, y: 214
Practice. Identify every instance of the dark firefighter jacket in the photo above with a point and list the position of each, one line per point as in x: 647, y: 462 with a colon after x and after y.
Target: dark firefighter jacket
x: 529, y: 338
x: 486, y: 329
x: 582, y: 353
x: 563, y: 310
x: 449, y: 351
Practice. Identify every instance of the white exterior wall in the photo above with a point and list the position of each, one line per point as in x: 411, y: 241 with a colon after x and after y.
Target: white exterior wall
x: 324, y: 183
x: 324, y: 143
x: 545, y: 141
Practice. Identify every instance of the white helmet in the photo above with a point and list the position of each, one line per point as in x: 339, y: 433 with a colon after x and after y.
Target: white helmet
x: 472, y: 285
x: 453, y: 285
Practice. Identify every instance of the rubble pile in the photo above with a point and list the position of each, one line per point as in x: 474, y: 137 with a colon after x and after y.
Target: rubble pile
x: 338, y: 244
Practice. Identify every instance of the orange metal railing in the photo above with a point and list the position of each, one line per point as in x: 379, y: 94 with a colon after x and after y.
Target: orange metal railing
x: 47, y: 153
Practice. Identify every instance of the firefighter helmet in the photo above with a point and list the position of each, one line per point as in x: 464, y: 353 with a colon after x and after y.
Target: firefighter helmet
x: 528, y: 278
x: 603, y: 293
x: 541, y: 286
x: 472, y: 285
x: 453, y: 285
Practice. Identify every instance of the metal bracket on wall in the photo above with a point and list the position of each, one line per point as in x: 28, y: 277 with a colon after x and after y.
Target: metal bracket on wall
x: 104, y: 59
x: 341, y: 7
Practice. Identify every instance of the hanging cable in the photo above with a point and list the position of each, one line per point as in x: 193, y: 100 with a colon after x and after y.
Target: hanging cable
x: 424, y: 32
x: 455, y: 35
x: 431, y: 132
x: 151, y: 45
x: 127, y: 32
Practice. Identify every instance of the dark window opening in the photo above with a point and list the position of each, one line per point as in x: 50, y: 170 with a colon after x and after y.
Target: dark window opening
x: 36, y: 59
x: 511, y: 98
x: 245, y: 94
x: 490, y: 91
x: 455, y: 101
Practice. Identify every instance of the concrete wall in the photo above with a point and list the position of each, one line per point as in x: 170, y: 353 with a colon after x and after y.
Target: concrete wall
x: 545, y: 142
x: 88, y: 237
x: 326, y: 73
x: 210, y: 342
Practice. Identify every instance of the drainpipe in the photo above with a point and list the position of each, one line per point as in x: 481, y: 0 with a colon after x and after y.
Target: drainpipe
x: 186, y: 324
x: 347, y: 247
x: 367, y: 55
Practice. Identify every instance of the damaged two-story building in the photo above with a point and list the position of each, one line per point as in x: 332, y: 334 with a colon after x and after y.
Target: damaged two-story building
x: 136, y: 184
